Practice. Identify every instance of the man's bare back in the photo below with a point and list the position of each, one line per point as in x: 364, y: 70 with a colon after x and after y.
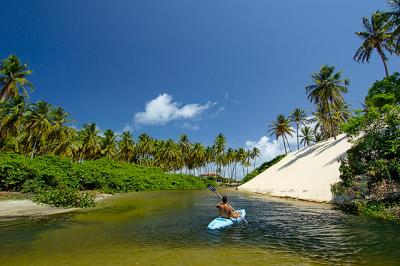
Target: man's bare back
x: 226, y: 211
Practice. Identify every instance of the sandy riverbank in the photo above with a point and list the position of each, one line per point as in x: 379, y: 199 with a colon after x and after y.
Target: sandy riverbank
x: 306, y: 174
x: 16, y: 208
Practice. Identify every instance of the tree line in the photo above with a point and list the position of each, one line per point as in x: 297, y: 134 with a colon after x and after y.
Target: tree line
x: 41, y: 129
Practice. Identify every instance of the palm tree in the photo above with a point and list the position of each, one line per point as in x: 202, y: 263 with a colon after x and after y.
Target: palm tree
x: 126, y: 148
x: 11, y: 114
x: 108, y: 146
x: 91, y: 143
x: 255, y: 153
x: 307, y: 136
x: 168, y: 156
x: 13, y: 78
x: 145, y: 149
x: 395, y: 19
x: 11, y: 117
x: 281, y: 128
x: 37, y: 126
x: 298, y: 117
x: 60, y: 137
x: 185, y: 147
x: 377, y: 36
x: 327, y: 89
x: 219, y: 150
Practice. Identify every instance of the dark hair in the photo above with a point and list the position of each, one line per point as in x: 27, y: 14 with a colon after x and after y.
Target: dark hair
x: 224, y: 199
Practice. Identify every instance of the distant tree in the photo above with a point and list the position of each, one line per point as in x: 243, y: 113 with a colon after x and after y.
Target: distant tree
x: 298, y: 117
x: 37, y: 126
x: 281, y: 128
x: 109, y: 144
x: 126, y: 147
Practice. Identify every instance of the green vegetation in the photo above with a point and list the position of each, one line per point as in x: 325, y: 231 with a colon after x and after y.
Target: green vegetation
x: 64, y: 162
x: 61, y: 182
x: 370, y: 176
x: 262, y: 168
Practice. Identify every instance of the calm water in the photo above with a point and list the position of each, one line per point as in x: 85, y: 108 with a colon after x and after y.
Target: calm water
x: 169, y: 228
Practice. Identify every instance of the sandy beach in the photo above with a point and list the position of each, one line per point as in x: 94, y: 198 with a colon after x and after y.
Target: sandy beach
x: 17, y: 208
x: 306, y: 174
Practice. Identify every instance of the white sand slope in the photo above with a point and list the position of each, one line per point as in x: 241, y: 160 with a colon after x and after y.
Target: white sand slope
x: 306, y: 174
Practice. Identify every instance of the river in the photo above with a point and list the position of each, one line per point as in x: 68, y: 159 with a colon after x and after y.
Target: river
x: 169, y: 228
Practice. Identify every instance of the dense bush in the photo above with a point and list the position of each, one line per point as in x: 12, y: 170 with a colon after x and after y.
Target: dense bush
x: 59, y: 181
x: 370, y: 176
x: 261, y: 168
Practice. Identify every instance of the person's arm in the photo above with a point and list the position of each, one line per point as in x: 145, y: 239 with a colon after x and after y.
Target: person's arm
x: 218, y: 205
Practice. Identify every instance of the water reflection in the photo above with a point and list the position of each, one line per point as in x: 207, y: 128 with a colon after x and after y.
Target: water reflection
x: 170, y: 228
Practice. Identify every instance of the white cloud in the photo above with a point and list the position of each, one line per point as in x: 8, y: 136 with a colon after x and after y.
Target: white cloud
x: 190, y: 126
x: 163, y: 109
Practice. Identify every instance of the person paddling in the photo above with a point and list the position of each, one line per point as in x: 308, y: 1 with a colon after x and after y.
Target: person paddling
x: 225, y: 210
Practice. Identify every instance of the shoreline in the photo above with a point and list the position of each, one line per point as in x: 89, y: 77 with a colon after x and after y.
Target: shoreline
x: 11, y: 209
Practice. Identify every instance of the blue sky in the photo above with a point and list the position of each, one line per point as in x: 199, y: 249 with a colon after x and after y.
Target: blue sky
x: 202, y: 67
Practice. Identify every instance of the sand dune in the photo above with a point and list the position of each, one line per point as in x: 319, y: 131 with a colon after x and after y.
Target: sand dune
x: 306, y: 174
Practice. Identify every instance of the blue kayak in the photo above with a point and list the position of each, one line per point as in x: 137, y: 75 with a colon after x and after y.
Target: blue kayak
x: 220, y: 222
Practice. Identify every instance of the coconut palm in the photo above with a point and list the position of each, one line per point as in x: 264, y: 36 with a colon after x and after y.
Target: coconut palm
x: 126, y: 148
x: 377, y: 36
x: 255, y: 153
x: 90, y: 142
x: 145, y: 149
x: 37, y: 126
x: 60, y: 137
x: 298, y: 117
x: 219, y: 150
x: 108, y: 145
x: 307, y: 136
x: 281, y: 128
x: 168, y: 156
x: 326, y: 90
x: 11, y: 114
x: 13, y: 78
x: 394, y: 15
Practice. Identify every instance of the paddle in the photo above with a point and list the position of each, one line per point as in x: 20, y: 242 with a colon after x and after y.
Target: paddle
x: 213, y: 189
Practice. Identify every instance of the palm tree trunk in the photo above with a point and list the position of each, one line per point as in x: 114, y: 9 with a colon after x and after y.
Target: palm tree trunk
x: 284, y: 144
x: 331, y: 121
x: 384, y: 62
x: 297, y: 135
x: 290, y: 149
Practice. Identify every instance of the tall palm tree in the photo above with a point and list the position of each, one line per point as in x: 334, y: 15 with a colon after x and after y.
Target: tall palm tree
x: 281, y: 128
x: 377, y: 36
x: 13, y: 78
x: 168, y: 156
x: 327, y: 89
x: 91, y: 142
x: 11, y: 115
x: 255, y: 153
x: 37, y: 126
x: 307, y: 136
x: 126, y: 148
x: 219, y: 150
x: 60, y: 136
x: 108, y: 146
x: 298, y: 117
x: 394, y: 15
x: 145, y: 149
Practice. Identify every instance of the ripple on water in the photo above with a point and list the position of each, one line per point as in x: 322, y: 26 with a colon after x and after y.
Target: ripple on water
x: 169, y: 228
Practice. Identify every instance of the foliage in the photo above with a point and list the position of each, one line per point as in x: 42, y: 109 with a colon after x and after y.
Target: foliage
x: 370, y: 176
x: 60, y: 181
x: 262, y: 168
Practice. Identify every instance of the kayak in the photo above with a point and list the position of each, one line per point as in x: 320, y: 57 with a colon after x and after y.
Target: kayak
x: 220, y: 222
